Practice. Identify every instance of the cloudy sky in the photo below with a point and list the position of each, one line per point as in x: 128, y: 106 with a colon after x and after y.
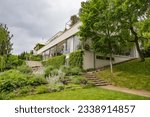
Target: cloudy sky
x: 32, y: 21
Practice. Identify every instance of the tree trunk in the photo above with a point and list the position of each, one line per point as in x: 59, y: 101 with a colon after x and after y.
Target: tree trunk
x: 111, y: 65
x: 137, y: 44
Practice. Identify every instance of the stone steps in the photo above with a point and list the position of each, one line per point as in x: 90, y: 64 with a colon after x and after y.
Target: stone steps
x: 98, y: 82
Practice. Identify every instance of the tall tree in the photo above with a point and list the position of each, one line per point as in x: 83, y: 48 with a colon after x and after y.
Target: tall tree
x: 74, y: 19
x: 99, y: 25
x: 5, y: 41
x: 135, y: 15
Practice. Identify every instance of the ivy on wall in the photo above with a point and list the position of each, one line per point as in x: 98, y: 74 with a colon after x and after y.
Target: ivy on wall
x: 55, y: 61
x: 76, y: 59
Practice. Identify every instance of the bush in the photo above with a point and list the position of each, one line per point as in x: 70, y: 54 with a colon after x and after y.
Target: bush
x: 79, y: 80
x: 66, y: 70
x: 13, y: 61
x: 76, y: 59
x: 37, y: 80
x: 71, y: 70
x: 146, y: 52
x: 13, y: 79
x: 48, y: 70
x: 24, y: 90
x: 57, y: 61
x: 75, y: 71
x: 55, y: 87
x: 42, y: 89
x: 24, y: 69
x: 6, y: 96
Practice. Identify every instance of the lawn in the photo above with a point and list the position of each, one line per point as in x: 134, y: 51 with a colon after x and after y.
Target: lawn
x: 83, y: 94
x: 133, y: 74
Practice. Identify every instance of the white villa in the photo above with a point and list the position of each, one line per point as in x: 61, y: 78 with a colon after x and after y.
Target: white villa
x: 67, y: 42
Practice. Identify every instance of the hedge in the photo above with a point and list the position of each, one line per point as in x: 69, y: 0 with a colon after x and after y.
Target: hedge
x: 76, y: 59
x: 56, y: 61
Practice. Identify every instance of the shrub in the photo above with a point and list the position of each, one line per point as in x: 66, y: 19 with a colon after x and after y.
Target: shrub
x: 75, y: 71
x: 79, y: 80
x: 24, y: 90
x: 13, y: 79
x: 42, y: 89
x: 24, y: 69
x: 76, y: 59
x: 48, y: 70
x: 37, y: 80
x: 56, y: 61
x: 66, y: 70
x: 6, y: 95
x: 13, y: 61
x: 55, y: 87
x: 89, y: 85
x: 71, y: 70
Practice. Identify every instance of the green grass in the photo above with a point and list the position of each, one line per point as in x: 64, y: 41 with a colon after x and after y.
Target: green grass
x: 133, y: 74
x: 84, y: 94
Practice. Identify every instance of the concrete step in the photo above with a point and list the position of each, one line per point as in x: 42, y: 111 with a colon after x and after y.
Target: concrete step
x: 92, y: 77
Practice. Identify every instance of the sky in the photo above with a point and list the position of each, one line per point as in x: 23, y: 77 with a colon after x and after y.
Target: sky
x: 35, y: 21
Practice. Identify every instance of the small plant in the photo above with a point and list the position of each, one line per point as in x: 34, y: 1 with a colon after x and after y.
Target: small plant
x: 24, y: 90
x: 48, y: 70
x: 56, y: 87
x: 14, y: 79
x: 24, y: 69
x: 79, y: 80
x: 42, y: 89
x: 75, y: 71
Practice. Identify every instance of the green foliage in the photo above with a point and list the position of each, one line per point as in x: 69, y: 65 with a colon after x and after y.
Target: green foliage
x: 13, y: 61
x: 48, y: 70
x: 76, y: 59
x: 30, y: 56
x: 42, y: 89
x: 55, y: 87
x: 112, y: 24
x: 133, y: 74
x: 75, y: 71
x: 24, y: 90
x: 79, y: 80
x: 56, y: 61
x: 13, y: 79
x: 5, y: 41
x: 71, y: 70
x: 2, y: 63
x: 24, y: 69
x: 102, y: 30
x: 74, y: 19
x: 51, y: 71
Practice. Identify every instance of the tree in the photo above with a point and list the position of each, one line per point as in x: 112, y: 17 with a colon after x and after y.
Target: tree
x: 99, y: 25
x: 74, y: 19
x: 5, y: 41
x: 2, y: 63
x: 135, y: 15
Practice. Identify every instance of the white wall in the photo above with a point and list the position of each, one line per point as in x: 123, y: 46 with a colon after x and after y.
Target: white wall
x: 88, y: 60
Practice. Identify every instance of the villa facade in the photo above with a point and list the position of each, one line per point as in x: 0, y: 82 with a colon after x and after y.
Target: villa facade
x: 67, y: 42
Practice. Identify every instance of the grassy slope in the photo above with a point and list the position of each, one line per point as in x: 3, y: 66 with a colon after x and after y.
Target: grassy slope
x: 134, y: 74
x: 84, y: 94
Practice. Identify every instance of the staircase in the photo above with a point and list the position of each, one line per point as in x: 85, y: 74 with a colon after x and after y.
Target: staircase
x: 36, y: 66
x: 91, y: 76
